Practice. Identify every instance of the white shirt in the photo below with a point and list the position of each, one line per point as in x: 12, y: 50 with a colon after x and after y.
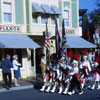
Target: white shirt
x: 85, y: 63
x: 90, y: 57
x: 15, y: 64
x: 43, y: 61
x: 75, y: 71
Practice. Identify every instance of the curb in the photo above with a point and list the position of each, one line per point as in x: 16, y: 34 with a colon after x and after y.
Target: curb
x: 17, y: 88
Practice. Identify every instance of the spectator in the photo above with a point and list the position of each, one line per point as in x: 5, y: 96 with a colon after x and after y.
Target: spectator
x: 43, y: 66
x: 16, y: 69
x: 6, y: 70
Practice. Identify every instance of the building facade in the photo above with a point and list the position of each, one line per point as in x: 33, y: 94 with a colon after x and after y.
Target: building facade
x: 38, y: 12
x: 70, y: 14
x: 21, y: 20
x: 13, y: 30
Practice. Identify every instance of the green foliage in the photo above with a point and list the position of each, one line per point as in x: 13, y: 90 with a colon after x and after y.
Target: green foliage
x: 94, y: 16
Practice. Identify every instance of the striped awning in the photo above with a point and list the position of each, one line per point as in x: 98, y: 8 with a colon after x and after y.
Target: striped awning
x: 56, y: 10
x: 36, y: 8
x: 78, y: 42
x: 17, y: 41
x: 47, y: 9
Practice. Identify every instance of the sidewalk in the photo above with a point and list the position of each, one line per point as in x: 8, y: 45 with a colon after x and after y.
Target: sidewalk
x: 28, y: 83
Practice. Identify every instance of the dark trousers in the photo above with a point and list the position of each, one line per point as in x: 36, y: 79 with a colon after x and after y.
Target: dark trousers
x: 75, y: 82
x: 7, y: 78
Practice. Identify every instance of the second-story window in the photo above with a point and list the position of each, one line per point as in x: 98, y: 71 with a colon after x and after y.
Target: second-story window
x: 44, y: 19
x: 7, y: 13
x: 53, y: 20
x: 66, y: 18
x: 34, y: 18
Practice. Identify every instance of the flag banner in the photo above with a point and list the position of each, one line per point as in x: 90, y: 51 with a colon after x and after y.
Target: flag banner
x: 58, y: 41
x: 47, y: 44
x: 64, y: 41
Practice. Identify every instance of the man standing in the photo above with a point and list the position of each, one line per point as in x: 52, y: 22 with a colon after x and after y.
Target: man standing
x: 6, y: 69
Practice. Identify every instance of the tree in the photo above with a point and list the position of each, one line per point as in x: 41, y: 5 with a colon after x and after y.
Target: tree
x: 94, y: 16
x: 98, y: 4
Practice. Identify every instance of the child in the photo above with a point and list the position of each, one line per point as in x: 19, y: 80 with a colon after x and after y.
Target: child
x: 86, y: 69
x: 68, y: 77
x: 76, y: 81
x: 96, y: 76
x: 57, y: 76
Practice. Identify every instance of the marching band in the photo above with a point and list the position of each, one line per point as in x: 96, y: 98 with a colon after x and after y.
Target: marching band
x: 64, y: 75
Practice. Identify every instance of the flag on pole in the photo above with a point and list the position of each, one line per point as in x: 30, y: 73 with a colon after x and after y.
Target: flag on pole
x: 47, y: 44
x: 58, y: 41
x: 64, y: 41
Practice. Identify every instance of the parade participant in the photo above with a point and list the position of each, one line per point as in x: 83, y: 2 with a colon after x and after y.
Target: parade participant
x: 90, y: 57
x: 57, y: 76
x: 53, y: 75
x: 16, y: 67
x: 85, y: 52
x: 47, y: 78
x: 86, y: 69
x: 97, y: 58
x: 70, y: 54
x: 61, y: 74
x: 68, y: 70
x: 96, y: 72
x: 76, y: 56
x: 76, y: 80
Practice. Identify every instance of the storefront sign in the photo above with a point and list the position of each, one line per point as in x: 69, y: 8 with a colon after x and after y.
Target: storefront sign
x: 10, y: 28
x: 68, y: 31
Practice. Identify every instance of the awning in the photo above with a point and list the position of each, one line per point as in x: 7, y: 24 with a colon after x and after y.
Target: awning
x: 78, y: 42
x: 36, y: 8
x: 47, y: 9
x: 17, y: 41
x: 56, y: 10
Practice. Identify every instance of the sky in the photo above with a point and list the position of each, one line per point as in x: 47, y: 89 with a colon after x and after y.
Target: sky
x: 87, y: 4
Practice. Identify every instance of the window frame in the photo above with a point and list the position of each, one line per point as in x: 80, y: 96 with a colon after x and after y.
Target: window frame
x: 33, y: 14
x: 53, y: 24
x: 46, y: 16
x: 12, y: 11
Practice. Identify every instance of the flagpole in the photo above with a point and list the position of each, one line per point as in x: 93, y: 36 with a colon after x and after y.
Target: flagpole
x: 47, y: 45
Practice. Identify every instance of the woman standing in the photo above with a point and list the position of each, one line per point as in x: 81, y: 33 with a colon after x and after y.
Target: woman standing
x: 16, y: 68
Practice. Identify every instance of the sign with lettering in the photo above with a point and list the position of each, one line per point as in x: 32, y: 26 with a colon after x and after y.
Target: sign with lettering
x: 4, y: 28
x: 69, y: 31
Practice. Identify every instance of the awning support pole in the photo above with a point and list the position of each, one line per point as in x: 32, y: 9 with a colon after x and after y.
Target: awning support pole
x: 34, y: 56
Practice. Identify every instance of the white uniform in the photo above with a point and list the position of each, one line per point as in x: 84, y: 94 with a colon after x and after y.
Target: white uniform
x: 60, y: 73
x: 90, y: 57
x: 75, y: 71
x: 68, y: 77
x: 87, y: 64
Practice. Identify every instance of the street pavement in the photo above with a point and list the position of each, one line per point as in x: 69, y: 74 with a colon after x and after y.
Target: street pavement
x: 35, y: 94
x: 29, y: 90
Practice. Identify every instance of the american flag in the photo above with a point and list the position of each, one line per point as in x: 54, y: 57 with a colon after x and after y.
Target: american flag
x: 47, y: 44
x: 64, y: 41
